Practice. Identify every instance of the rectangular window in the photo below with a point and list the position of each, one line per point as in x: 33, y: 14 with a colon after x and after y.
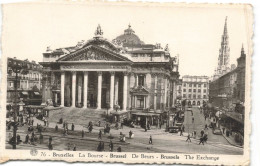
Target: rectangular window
x: 199, y: 85
x: 199, y: 90
x: 184, y: 85
x: 204, y: 90
x: 140, y: 102
x: 190, y: 85
x: 189, y: 96
x: 194, y: 96
x: 141, y: 80
x: 184, y: 95
x: 205, y: 85
x: 194, y: 90
x: 204, y: 96
x: 189, y: 90
x: 195, y: 85
x: 199, y: 96
x: 184, y: 90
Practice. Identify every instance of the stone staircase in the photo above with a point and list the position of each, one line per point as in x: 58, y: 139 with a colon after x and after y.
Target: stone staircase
x: 78, y: 116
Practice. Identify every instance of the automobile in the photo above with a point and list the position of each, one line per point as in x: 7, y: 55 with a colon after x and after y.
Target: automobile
x: 217, y: 131
x: 174, y: 129
x: 178, y: 125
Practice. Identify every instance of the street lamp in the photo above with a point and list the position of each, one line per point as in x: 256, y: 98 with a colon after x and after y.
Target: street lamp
x: 16, y: 67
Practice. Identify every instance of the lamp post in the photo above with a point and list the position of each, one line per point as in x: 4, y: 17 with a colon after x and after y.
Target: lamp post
x: 16, y: 67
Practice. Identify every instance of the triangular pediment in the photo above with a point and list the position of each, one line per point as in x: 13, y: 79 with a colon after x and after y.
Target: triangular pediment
x: 140, y: 90
x: 93, y: 53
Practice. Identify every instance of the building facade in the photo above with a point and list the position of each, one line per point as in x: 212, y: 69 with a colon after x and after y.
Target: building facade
x: 195, y: 89
x: 28, y: 85
x: 98, y: 73
x: 227, y: 96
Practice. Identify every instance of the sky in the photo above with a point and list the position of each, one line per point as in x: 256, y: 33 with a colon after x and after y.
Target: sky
x: 192, y: 33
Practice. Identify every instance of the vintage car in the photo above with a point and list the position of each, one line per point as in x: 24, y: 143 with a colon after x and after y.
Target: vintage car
x: 174, y: 129
x: 217, y: 131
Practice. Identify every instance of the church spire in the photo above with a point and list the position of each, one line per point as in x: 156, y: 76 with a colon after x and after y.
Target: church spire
x: 223, y: 59
x: 225, y: 27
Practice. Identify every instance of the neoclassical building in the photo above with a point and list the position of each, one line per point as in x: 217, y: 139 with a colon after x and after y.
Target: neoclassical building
x: 99, y: 73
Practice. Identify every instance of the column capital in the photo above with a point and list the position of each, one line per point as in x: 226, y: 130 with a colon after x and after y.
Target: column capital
x: 125, y: 73
x: 112, y: 73
x: 73, y: 72
x: 85, y: 72
x: 99, y: 73
x: 154, y: 74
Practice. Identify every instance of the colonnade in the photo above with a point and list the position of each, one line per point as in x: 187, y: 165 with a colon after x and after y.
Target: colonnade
x: 113, y: 89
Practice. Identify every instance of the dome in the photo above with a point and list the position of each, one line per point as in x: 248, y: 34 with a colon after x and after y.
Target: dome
x: 129, y: 37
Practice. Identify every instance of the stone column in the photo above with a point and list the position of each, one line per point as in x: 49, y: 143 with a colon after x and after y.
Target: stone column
x: 27, y: 84
x: 136, y: 80
x: 155, y: 92
x: 112, y: 89
x: 125, y: 92
x: 165, y: 91
x: 74, y: 79
x: 173, y: 92
x: 56, y: 97
x: 85, y: 92
x: 62, y: 88
x: 39, y: 76
x: 116, y: 91
x: 99, y: 90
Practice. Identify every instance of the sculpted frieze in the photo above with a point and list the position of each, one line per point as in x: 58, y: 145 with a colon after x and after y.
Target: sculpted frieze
x: 92, y: 55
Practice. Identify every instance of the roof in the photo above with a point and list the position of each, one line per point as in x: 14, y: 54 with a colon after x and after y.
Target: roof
x: 129, y: 37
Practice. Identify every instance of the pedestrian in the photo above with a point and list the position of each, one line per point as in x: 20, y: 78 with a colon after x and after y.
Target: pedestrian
x: 205, y: 138
x: 192, y: 119
x: 32, y: 122
x: 181, y: 132
x: 119, y: 149
x: 27, y: 139
x: 150, y: 140
x: 195, y: 132
x: 122, y: 125
x: 74, y: 148
x: 99, y: 146
x: 206, y: 127
x: 18, y: 138
x: 111, y: 146
x: 50, y: 147
x: 50, y: 140
x: 82, y: 133
x: 102, y: 146
x: 201, y: 140
x: 45, y: 122
x: 72, y: 127
x: 205, y: 117
x: 116, y: 126
x: 188, y: 138
x: 99, y: 123
x: 64, y: 124
x: 41, y: 138
x: 90, y: 128
x: 202, y: 133
x: 130, y: 134
x: 223, y: 130
x: 56, y: 128
x: 100, y: 134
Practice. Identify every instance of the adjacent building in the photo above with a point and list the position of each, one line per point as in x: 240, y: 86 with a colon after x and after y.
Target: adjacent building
x: 99, y: 73
x: 195, y: 89
x: 28, y: 85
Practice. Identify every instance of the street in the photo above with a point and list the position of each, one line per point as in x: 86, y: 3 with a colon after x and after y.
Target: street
x: 163, y: 142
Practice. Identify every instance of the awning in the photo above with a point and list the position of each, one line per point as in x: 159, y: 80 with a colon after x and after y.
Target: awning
x: 25, y: 93
x: 36, y: 93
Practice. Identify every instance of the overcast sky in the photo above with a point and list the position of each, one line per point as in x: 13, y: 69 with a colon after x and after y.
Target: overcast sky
x: 193, y: 33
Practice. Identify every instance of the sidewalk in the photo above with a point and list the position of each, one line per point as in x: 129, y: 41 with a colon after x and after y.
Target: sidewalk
x: 230, y: 139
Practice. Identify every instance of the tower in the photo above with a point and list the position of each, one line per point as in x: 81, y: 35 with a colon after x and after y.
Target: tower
x: 223, y: 58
